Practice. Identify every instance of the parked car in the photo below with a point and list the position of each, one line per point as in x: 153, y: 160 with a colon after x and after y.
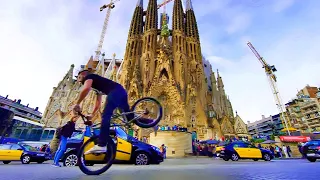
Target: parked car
x: 311, y: 150
x: 129, y: 149
x: 21, y: 152
x: 243, y: 150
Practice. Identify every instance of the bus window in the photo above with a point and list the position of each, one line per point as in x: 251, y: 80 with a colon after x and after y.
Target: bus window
x: 50, y: 136
x: 24, y: 134
x: 17, y: 133
x: 45, y: 134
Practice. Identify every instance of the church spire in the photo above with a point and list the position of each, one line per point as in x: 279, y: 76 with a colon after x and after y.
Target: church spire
x: 177, y: 16
x: 220, y: 82
x: 189, y: 5
x: 151, y: 16
x: 191, y: 22
x: 140, y: 3
x: 134, y: 43
x: 136, y: 27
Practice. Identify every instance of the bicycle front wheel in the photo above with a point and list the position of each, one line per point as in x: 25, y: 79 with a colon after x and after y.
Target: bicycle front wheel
x: 96, y: 164
x: 149, y: 110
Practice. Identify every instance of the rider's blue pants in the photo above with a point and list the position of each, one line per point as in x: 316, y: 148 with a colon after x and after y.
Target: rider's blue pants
x: 61, y: 149
x: 117, y: 98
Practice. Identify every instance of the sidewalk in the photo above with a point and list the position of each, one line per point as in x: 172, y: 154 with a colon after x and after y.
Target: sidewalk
x: 291, y: 158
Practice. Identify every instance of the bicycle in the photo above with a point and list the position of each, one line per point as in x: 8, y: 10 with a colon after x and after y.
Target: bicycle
x: 109, y: 156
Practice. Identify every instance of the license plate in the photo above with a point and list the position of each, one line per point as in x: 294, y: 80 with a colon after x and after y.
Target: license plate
x: 311, y: 154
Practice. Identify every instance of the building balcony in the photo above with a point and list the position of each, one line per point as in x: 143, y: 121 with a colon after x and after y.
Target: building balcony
x: 311, y: 111
x: 309, y: 104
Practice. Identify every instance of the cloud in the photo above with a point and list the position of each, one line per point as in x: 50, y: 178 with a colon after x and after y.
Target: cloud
x: 282, y: 5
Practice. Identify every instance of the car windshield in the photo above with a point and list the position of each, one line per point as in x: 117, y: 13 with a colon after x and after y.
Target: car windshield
x: 77, y: 135
x: 121, y: 133
x: 313, y: 143
x: 28, y: 147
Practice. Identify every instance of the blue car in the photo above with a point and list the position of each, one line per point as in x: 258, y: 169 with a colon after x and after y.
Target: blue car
x: 311, y: 150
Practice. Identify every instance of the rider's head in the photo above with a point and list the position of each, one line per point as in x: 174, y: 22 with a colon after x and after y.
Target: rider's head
x: 82, y: 74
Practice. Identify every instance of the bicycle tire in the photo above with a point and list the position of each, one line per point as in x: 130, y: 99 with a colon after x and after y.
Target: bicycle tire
x: 111, y: 152
x: 156, y: 121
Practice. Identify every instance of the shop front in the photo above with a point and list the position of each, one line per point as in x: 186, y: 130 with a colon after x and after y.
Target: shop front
x: 292, y: 142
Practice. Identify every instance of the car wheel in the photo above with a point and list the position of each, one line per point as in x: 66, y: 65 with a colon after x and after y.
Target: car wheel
x: 142, y: 158
x: 6, y: 162
x: 40, y: 162
x: 25, y: 159
x: 312, y: 159
x: 234, y: 157
x: 226, y: 159
x: 266, y: 157
x: 70, y: 160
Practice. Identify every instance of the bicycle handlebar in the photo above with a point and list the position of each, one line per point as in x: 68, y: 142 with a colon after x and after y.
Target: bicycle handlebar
x: 84, y: 118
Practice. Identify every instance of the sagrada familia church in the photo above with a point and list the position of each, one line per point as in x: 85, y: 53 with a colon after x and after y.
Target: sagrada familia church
x: 163, y: 63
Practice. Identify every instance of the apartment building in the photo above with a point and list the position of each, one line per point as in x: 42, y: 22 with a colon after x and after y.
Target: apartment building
x: 304, y: 110
x: 265, y: 126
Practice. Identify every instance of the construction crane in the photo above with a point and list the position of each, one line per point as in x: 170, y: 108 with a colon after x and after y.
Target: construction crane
x: 110, y: 6
x: 269, y: 70
x: 163, y: 4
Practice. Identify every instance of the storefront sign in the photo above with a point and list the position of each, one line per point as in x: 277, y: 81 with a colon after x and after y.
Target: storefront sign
x: 294, y: 138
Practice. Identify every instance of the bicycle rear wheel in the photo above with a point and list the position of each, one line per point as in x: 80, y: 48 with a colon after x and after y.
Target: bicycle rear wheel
x: 103, y: 160
x: 147, y: 107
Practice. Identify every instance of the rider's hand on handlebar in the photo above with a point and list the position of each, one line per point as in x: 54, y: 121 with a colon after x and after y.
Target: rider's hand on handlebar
x: 88, y: 123
x: 89, y: 117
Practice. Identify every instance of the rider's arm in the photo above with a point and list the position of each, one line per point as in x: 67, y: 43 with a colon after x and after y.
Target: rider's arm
x: 98, y: 104
x: 85, y: 90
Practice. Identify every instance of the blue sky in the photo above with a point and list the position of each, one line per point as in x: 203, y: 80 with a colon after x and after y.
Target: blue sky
x: 39, y: 40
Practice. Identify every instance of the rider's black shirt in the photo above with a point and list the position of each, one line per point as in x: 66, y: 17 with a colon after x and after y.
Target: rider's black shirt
x: 100, y: 84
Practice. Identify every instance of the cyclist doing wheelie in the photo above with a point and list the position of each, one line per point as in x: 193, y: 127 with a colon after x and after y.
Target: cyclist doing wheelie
x: 117, y: 98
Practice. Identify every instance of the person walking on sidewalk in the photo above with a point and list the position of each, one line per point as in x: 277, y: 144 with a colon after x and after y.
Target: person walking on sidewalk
x: 284, y: 149
x: 65, y: 133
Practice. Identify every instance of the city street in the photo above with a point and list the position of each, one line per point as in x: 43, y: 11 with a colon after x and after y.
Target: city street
x: 174, y: 169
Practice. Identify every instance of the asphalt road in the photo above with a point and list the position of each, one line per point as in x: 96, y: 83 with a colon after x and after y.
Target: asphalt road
x: 174, y: 169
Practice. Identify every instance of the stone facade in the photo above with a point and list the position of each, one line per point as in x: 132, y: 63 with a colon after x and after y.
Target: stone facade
x: 165, y: 64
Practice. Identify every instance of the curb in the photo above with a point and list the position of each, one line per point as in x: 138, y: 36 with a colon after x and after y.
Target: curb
x: 287, y: 158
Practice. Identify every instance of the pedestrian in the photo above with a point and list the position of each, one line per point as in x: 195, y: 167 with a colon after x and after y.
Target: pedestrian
x: 210, y: 149
x: 66, y: 132
x: 289, y: 151
x: 284, y: 149
x: 163, y: 149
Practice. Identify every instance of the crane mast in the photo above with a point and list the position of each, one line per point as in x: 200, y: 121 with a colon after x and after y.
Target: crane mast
x: 110, y: 6
x: 269, y: 70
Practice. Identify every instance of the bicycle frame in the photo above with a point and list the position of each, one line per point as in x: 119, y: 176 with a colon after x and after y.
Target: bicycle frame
x: 122, y: 117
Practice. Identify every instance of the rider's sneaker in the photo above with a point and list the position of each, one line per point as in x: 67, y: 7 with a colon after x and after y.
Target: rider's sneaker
x: 56, y: 165
x: 96, y: 149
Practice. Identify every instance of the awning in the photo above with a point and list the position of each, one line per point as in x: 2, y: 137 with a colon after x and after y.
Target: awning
x: 294, y: 138
x: 290, y: 129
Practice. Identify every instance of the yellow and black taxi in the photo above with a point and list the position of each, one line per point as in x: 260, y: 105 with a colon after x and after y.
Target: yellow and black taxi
x: 243, y: 150
x: 128, y: 149
x: 219, y: 147
x: 21, y: 152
